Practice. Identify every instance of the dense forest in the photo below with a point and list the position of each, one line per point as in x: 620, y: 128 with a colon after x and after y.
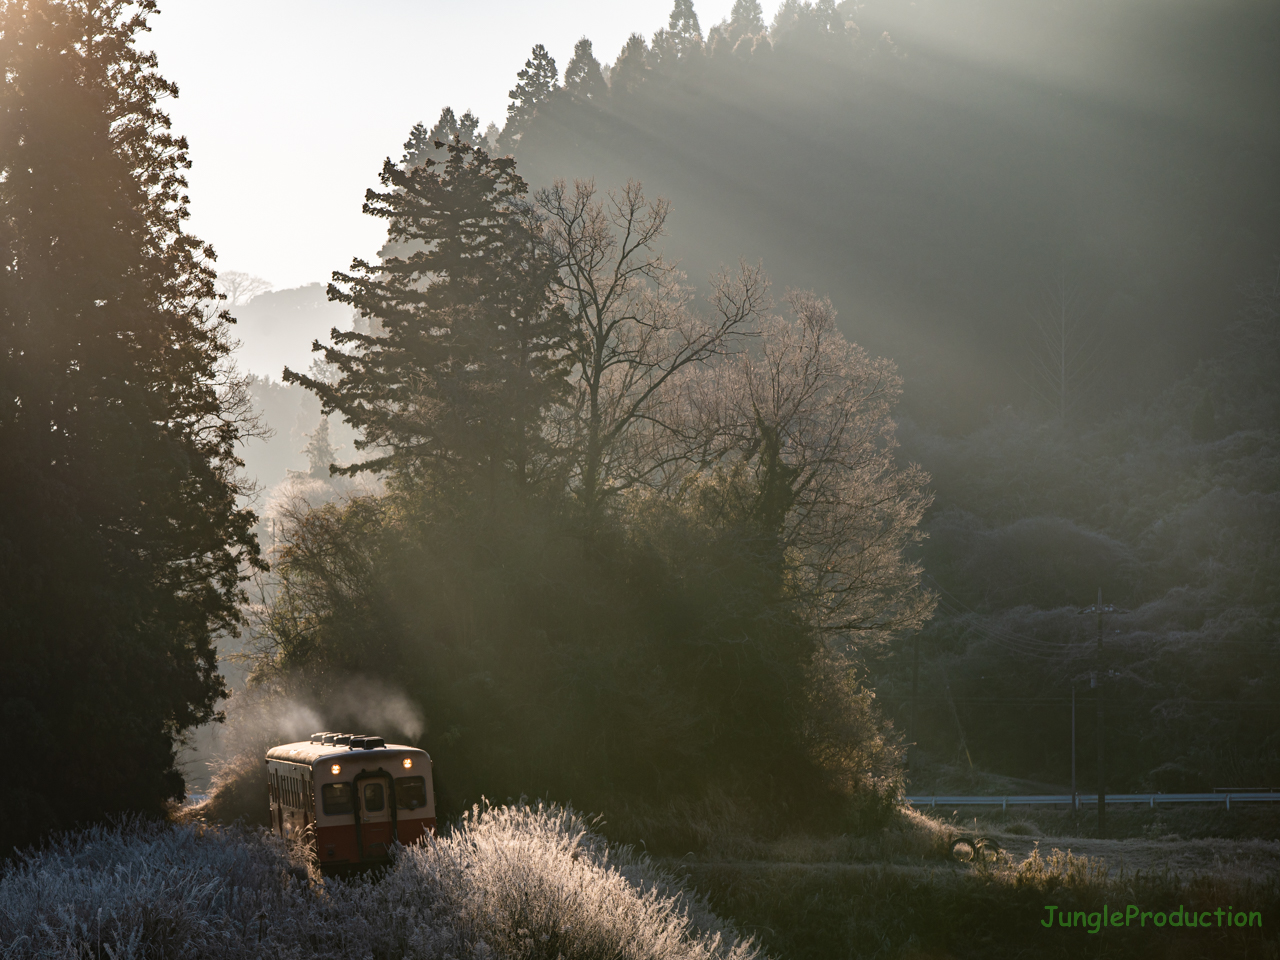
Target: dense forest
x: 748, y: 423
x: 1061, y: 222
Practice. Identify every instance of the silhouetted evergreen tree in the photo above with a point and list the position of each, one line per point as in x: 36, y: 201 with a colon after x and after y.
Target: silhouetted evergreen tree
x: 746, y: 19
x: 451, y: 390
x: 681, y: 41
x: 630, y: 68
x: 122, y: 547
x: 683, y: 22
x: 422, y: 143
x: 583, y: 76
x: 534, y: 86
x: 319, y: 451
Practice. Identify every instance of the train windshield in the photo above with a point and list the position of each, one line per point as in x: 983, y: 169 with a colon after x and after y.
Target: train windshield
x: 411, y: 793
x: 375, y: 797
x: 337, y: 798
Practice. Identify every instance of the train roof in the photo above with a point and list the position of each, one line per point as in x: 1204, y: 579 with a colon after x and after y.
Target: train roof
x: 311, y: 751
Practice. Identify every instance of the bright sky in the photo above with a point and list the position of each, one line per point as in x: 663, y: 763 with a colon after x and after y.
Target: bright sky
x: 290, y: 106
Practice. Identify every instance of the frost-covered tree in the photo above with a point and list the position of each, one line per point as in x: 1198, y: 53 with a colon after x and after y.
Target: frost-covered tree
x: 239, y: 287
x: 634, y: 335
x: 804, y: 453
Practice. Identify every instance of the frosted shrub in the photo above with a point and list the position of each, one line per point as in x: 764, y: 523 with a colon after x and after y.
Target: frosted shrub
x: 149, y: 890
x: 534, y: 882
x: 509, y: 882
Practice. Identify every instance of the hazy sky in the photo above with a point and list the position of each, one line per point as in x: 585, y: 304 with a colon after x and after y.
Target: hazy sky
x: 291, y: 105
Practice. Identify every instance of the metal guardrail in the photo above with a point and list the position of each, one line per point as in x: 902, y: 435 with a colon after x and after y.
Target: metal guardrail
x: 1065, y: 799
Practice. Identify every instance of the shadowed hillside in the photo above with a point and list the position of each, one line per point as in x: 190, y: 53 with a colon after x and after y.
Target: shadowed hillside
x: 939, y: 182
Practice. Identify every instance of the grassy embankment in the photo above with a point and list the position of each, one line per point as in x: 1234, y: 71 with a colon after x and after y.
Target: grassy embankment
x: 898, y: 894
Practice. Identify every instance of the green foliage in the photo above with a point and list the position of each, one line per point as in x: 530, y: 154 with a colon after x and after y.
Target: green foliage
x: 122, y: 544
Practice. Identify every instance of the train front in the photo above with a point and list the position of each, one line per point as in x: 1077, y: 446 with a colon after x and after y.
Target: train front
x: 368, y: 794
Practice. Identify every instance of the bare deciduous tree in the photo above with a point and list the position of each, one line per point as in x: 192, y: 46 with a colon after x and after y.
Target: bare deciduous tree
x: 635, y: 333
x: 807, y: 444
x: 239, y: 287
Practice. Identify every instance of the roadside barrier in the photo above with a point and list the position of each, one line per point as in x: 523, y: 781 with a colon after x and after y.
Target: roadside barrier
x: 1084, y: 799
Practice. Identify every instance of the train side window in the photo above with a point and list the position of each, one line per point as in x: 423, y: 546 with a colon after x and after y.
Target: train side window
x: 338, y: 798
x: 375, y: 797
x: 411, y: 792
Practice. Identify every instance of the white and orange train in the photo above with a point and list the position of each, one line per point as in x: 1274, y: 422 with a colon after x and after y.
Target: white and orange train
x: 351, y: 796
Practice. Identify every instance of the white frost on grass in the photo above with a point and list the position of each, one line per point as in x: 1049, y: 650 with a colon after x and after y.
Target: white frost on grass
x: 508, y: 882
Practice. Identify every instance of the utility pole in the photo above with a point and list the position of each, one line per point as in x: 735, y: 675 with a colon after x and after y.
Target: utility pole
x: 1075, y: 799
x: 956, y: 717
x: 1102, y: 737
x: 915, y: 702
x: 1099, y: 674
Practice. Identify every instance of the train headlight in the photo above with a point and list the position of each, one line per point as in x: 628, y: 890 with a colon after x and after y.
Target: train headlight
x: 408, y: 763
x: 335, y: 769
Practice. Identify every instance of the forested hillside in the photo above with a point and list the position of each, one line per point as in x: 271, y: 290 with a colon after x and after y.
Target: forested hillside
x: 1061, y: 222
x: 1033, y: 211
x: 936, y: 182
x: 1172, y: 508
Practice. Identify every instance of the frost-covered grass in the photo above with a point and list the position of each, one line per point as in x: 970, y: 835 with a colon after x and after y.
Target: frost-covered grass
x: 508, y: 882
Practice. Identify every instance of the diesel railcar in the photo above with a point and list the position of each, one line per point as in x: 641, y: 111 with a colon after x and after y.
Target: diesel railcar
x: 350, y: 796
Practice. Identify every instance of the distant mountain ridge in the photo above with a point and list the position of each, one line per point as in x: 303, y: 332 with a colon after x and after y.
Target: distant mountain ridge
x: 276, y: 329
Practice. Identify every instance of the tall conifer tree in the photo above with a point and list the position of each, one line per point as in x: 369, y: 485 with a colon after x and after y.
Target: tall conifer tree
x: 583, y: 75
x: 746, y: 19
x: 451, y: 391
x: 534, y: 86
x: 122, y: 546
